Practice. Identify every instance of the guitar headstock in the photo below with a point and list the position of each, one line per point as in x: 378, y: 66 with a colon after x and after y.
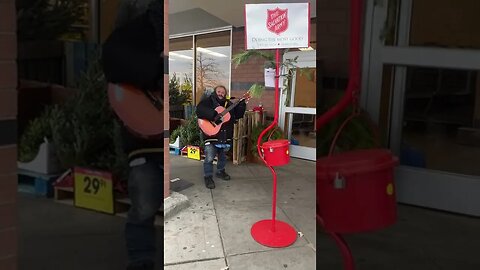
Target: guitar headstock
x: 247, y: 96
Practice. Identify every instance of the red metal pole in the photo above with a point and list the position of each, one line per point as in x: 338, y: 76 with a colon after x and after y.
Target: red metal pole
x: 272, y: 125
x: 348, y: 261
x: 353, y: 86
x: 275, y: 117
x: 274, y: 198
x: 277, y: 101
x: 351, y: 95
x: 277, y: 92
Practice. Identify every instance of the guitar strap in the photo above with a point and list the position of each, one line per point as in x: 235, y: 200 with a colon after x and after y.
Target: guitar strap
x: 224, y: 105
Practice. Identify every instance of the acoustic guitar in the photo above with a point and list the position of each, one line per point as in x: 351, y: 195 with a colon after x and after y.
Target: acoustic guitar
x: 210, y: 127
x: 140, y: 111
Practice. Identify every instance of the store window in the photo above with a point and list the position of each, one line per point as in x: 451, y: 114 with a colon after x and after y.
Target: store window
x: 436, y: 23
x: 212, y: 65
x: 181, y: 62
x: 213, y: 62
x: 445, y: 23
x: 440, y: 118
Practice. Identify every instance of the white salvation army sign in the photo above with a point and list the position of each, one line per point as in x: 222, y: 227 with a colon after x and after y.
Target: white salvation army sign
x: 277, y: 26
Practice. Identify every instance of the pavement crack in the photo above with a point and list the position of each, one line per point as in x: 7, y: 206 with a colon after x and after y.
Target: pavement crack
x: 193, y: 261
x: 219, y: 230
x: 264, y: 251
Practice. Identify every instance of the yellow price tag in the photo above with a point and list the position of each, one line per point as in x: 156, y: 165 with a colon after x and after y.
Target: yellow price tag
x: 193, y: 152
x: 93, y: 190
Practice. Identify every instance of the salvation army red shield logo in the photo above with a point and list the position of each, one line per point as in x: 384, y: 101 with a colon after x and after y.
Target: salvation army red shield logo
x: 277, y: 20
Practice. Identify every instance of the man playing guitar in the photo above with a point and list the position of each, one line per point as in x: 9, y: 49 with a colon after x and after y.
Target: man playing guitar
x: 133, y: 65
x: 218, y: 144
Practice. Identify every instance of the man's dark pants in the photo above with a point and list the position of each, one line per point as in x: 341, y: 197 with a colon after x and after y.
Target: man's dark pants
x: 145, y: 188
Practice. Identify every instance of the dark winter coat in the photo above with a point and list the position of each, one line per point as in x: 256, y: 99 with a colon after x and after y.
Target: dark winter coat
x: 133, y: 52
x: 206, y: 110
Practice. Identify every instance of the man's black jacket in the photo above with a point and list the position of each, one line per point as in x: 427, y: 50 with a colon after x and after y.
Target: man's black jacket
x: 206, y: 110
x: 132, y: 52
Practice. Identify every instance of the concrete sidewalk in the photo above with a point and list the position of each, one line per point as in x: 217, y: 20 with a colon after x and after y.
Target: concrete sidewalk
x: 55, y: 236
x: 421, y: 239
x: 214, y: 232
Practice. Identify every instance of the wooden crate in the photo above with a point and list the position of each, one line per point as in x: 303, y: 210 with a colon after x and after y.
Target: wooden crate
x: 64, y: 195
x: 241, y: 134
x: 255, y: 118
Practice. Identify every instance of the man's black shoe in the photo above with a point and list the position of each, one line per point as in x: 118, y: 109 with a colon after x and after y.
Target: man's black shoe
x: 223, y: 175
x: 209, y: 182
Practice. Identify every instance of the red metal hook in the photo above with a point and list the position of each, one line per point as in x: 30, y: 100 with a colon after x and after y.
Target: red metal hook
x: 353, y: 87
x: 351, y: 95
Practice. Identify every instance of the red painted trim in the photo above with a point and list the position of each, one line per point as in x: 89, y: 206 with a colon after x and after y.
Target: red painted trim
x: 82, y: 170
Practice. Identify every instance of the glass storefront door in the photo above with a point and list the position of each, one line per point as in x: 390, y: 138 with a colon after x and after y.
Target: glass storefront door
x: 421, y: 84
x: 298, y: 107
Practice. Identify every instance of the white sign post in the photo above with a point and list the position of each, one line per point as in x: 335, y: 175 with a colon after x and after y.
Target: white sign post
x: 275, y: 26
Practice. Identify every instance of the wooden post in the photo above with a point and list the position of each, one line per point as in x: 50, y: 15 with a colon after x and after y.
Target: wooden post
x: 235, y: 142
x: 245, y: 141
x: 241, y: 140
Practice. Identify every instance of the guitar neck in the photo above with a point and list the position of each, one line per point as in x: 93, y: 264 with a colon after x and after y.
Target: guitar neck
x: 231, y: 107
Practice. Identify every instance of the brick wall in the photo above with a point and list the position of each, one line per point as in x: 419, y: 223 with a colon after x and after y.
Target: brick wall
x: 249, y: 73
x: 8, y: 149
x: 166, y: 177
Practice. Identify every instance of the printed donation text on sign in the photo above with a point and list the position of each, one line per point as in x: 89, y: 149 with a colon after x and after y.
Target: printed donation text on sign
x: 277, y: 26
